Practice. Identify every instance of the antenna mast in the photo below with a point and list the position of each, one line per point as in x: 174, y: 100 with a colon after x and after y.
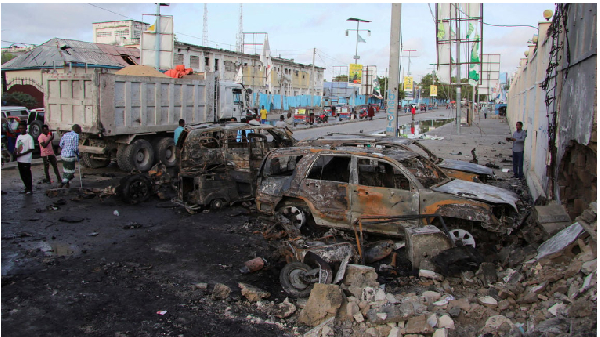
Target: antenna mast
x: 239, y: 47
x: 205, y: 27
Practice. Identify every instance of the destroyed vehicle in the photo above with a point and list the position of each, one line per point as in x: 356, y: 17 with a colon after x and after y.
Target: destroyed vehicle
x: 338, y: 188
x: 453, y: 168
x: 219, y: 162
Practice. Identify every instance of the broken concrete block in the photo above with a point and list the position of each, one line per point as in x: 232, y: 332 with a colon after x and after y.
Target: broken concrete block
x: 559, y: 242
x: 432, y: 320
x: 253, y: 293
x: 418, y: 324
x: 462, y: 303
x: 503, y: 305
x: 201, y: 286
x: 431, y: 296
x: 220, y: 292
x: 359, y: 318
x: 430, y: 274
x: 285, y: 309
x: 488, y: 301
x: 558, y: 308
x: 386, y: 314
x: 395, y: 332
x: 487, y: 273
x: 380, y: 295
x: 368, y: 294
x: 553, y: 326
x: 440, y: 333
x: 553, y: 218
x: 424, y: 243
x: 358, y: 277
x: 323, y: 303
x: 322, y: 329
x: 391, y: 298
x: 497, y: 323
x: 446, y: 322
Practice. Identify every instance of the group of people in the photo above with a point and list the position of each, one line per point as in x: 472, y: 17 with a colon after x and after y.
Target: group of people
x: 23, y: 151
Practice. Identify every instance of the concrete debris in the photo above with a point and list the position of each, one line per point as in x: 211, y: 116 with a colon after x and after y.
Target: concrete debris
x: 358, y: 277
x: 560, y: 242
x: 220, y: 292
x: 552, y: 218
x: 440, y: 333
x: 285, y: 309
x: 323, y: 303
x: 418, y: 324
x: 446, y: 322
x: 558, y: 308
x: 253, y: 293
x: 430, y: 274
x: 430, y: 296
x: 488, y: 301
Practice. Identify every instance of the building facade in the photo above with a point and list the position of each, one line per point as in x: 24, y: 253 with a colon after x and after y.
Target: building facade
x: 125, y: 33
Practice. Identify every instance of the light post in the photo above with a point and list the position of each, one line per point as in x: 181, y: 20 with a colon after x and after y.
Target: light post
x: 157, y: 32
x: 358, y: 21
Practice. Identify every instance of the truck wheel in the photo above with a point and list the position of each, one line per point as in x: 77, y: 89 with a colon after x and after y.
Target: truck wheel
x: 138, y: 155
x: 166, y: 152
x: 35, y: 129
x: 292, y: 279
x: 88, y: 161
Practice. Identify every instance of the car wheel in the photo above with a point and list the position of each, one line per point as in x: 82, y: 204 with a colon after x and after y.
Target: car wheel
x: 461, y: 237
x: 292, y: 279
x: 296, y: 214
x: 217, y: 204
x: 135, y: 189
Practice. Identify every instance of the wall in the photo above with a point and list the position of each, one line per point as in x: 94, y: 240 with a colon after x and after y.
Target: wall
x: 575, y: 105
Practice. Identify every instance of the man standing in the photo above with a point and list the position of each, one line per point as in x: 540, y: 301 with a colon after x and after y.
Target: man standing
x: 518, y: 140
x: 23, y: 148
x: 69, y: 144
x: 370, y: 112
x: 47, y: 153
x: 413, y: 110
x: 178, y: 131
x: 263, y: 115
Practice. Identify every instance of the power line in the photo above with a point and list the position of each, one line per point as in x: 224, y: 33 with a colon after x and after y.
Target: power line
x: 108, y: 10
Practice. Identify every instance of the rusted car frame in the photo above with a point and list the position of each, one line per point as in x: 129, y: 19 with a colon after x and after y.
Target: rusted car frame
x: 336, y: 187
x: 219, y: 162
x: 453, y: 168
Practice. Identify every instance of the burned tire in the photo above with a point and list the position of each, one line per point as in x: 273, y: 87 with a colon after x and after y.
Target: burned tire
x: 165, y: 151
x: 138, y: 155
x: 291, y: 279
x: 88, y: 161
x: 135, y: 189
x: 217, y: 204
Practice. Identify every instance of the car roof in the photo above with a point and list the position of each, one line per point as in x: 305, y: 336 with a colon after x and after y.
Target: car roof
x: 230, y: 127
x: 13, y: 108
x: 396, y: 154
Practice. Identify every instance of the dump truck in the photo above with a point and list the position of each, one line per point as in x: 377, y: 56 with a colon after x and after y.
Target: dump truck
x: 131, y: 119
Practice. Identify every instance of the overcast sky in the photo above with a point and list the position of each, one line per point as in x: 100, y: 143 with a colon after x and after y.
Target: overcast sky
x: 294, y: 29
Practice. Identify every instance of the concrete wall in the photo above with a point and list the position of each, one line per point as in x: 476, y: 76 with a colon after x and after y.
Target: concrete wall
x: 575, y: 103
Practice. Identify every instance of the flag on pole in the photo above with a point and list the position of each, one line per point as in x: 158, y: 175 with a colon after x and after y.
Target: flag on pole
x: 360, y: 39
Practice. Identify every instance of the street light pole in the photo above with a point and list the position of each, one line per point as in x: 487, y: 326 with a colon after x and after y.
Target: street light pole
x: 157, y: 35
x: 358, y: 21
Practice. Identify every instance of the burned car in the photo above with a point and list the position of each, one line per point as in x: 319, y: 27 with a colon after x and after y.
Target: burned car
x: 339, y: 187
x: 452, y: 167
x: 219, y: 162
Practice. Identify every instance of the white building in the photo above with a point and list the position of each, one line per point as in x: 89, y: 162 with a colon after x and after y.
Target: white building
x: 119, y: 33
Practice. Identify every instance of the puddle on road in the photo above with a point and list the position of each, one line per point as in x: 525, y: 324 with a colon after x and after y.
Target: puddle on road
x: 417, y: 128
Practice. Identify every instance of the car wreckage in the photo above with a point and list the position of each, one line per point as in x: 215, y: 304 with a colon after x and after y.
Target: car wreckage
x: 219, y: 162
x: 384, y: 189
x: 453, y: 168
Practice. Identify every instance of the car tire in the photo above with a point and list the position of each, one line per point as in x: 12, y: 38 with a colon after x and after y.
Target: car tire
x: 291, y: 281
x: 135, y: 188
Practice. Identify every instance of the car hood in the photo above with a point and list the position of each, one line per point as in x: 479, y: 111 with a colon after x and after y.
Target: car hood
x: 460, y: 165
x: 478, y: 191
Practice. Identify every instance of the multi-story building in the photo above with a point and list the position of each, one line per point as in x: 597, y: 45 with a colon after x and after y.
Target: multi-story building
x: 119, y: 33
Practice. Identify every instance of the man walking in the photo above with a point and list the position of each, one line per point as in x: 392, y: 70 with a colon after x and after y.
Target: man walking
x: 69, y: 144
x: 47, y: 153
x: 178, y: 130
x: 263, y: 115
x: 23, y: 148
x: 518, y: 140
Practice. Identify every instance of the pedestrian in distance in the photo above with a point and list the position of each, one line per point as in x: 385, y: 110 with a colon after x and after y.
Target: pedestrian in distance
x: 69, y: 153
x: 518, y: 140
x: 263, y: 115
x: 281, y: 123
x: 413, y: 110
x: 370, y: 112
x: 47, y: 152
x: 23, y: 147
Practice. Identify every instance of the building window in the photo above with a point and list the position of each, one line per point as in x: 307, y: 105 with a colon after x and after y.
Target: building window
x: 178, y: 59
x: 229, y: 66
x: 206, y: 61
x: 124, y: 32
x: 103, y: 34
x: 194, y: 62
x: 216, y: 64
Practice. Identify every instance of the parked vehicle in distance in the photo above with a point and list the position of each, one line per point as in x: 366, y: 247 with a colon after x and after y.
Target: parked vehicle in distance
x: 337, y: 187
x: 33, y: 117
x: 452, y: 167
x: 219, y: 163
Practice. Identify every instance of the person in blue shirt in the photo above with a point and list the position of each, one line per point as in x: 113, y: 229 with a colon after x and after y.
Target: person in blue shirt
x: 178, y: 130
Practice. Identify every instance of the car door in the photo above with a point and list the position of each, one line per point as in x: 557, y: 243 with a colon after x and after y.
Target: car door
x: 382, y: 189
x: 326, y: 188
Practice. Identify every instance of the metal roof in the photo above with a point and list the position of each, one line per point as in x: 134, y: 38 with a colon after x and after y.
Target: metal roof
x: 61, y: 52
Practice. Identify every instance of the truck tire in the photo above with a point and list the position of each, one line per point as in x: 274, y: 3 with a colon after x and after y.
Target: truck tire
x: 35, y: 129
x: 88, y: 161
x: 138, y: 155
x: 135, y: 188
x: 165, y: 151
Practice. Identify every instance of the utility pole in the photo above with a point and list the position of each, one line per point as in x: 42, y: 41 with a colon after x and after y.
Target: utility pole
x: 392, y: 88
x: 358, y: 21
x: 409, y: 50
x: 312, y: 79
x: 157, y: 37
x: 458, y: 87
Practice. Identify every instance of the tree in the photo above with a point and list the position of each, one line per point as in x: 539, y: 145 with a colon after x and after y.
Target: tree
x: 340, y: 78
x: 7, y: 57
x: 20, y: 99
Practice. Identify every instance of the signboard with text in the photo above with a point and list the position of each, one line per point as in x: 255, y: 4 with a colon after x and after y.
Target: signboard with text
x: 433, y: 90
x: 355, y: 73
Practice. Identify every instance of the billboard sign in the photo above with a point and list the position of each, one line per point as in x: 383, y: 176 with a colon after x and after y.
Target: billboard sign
x: 408, y: 83
x: 148, y: 51
x: 355, y: 75
x: 433, y: 91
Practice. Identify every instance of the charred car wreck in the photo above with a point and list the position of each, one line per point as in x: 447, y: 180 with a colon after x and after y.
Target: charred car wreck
x: 453, y: 168
x: 219, y: 162
x: 384, y: 189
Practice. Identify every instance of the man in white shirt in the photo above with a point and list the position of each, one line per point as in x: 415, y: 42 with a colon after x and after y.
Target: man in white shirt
x: 281, y: 123
x: 23, y: 148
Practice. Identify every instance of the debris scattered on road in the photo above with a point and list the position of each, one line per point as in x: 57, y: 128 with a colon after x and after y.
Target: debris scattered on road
x: 253, y: 265
x: 492, y: 165
x: 93, y: 234
x: 162, y: 313
x: 116, y: 213
x: 71, y: 219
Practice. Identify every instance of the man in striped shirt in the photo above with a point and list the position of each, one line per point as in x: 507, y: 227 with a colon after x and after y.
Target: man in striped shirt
x: 69, y: 144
